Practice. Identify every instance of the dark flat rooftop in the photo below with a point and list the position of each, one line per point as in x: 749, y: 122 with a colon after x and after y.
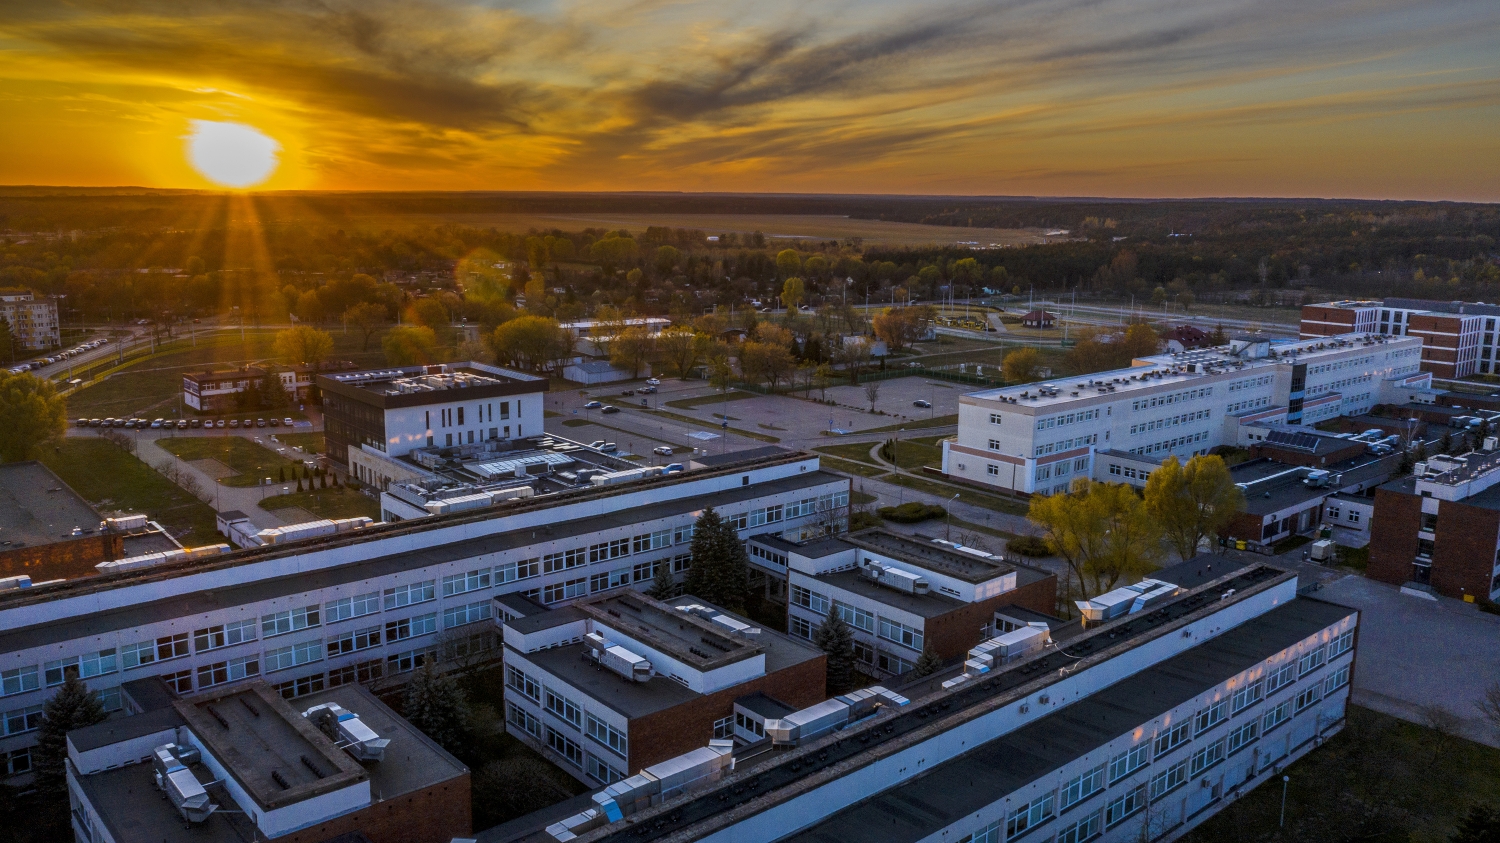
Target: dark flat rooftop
x: 921, y: 807
x: 767, y: 707
x: 38, y: 508
x: 691, y: 638
x: 198, y: 602
x: 929, y: 605
x: 935, y: 557
x: 1289, y: 491
x: 732, y: 457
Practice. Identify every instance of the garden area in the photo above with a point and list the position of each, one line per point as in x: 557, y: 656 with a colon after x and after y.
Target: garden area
x: 328, y: 502
x: 113, y: 479
x: 249, y: 462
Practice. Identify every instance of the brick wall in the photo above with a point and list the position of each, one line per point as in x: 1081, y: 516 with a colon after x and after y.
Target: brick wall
x: 958, y: 631
x: 684, y: 728
x: 1464, y: 549
x: 434, y: 815
x: 1393, y: 536
x: 1313, y: 314
x: 67, y: 559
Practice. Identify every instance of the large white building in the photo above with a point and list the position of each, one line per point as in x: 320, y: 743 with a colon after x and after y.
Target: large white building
x: 1038, y: 438
x: 33, y: 321
x: 371, y: 604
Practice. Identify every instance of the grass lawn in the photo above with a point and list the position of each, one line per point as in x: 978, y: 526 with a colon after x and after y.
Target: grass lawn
x: 249, y: 461
x: 857, y: 451
x: 912, y: 454
x: 112, y: 479
x: 919, y: 424
x: 575, y: 423
x: 965, y: 494
x: 311, y: 443
x: 1380, y: 779
x: 327, y: 503
x: 845, y: 467
x: 709, y: 400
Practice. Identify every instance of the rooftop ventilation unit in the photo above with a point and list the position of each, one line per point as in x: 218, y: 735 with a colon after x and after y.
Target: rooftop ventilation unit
x: 1124, y: 601
x: 830, y: 715
x: 720, y: 618
x: 617, y: 659
x: 895, y: 578
x: 178, y: 782
x: 348, y: 731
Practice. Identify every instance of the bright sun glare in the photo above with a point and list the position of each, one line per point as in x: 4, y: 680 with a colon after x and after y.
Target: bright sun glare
x: 232, y: 154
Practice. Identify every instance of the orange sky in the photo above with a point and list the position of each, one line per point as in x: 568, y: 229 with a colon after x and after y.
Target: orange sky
x: 1357, y: 98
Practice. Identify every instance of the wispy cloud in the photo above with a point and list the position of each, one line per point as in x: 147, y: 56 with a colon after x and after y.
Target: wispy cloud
x: 1103, y: 95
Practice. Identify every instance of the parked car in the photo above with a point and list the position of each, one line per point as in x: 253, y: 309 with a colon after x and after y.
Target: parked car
x: 597, y: 444
x: 923, y: 403
x: 220, y: 423
x: 195, y: 423
x: 628, y: 392
x: 593, y: 405
x: 260, y: 422
x: 182, y: 424
x: 287, y: 421
x: 609, y: 408
x: 232, y: 422
x: 664, y: 450
x: 82, y: 422
x: 274, y: 422
x: 94, y: 422
x: 157, y: 423
x: 648, y: 390
x: 608, y: 448
x: 653, y: 381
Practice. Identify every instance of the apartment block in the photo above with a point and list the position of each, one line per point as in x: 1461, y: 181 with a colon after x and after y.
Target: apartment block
x: 242, y: 763
x: 442, y: 405
x: 902, y: 595
x: 1458, y: 338
x: 1439, y: 529
x: 609, y: 686
x: 1038, y: 438
x: 33, y: 321
x: 373, y: 604
x: 1138, y: 727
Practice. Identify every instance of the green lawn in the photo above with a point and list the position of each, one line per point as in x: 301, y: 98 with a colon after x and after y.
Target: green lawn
x: 709, y: 400
x: 857, y: 451
x: 1380, y: 779
x: 845, y: 467
x: 249, y: 461
x: 919, y: 424
x: 112, y: 479
x: 327, y: 503
x: 311, y: 443
x: 965, y: 494
x: 912, y: 454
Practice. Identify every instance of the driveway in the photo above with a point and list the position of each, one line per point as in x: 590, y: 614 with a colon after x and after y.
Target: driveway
x: 1415, y: 653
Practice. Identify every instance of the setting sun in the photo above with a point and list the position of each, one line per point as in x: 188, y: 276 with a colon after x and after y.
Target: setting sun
x: 232, y: 154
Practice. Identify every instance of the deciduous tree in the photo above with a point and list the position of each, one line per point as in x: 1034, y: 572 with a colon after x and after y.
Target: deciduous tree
x: 526, y: 341
x: 793, y: 291
x: 788, y: 263
x: 303, y: 345
x: 368, y: 317
x: 682, y: 349
x: 632, y: 349
x: 1021, y: 365
x: 32, y: 414
x: 409, y: 346
x: 1193, y: 502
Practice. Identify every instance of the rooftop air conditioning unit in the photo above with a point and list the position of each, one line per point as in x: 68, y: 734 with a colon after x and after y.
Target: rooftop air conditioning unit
x: 187, y: 795
x: 348, y: 731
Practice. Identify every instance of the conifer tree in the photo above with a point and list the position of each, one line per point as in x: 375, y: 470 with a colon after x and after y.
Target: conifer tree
x: 720, y: 572
x: 436, y: 705
x: 928, y: 663
x: 74, y: 706
x: 835, y: 638
x: 663, y: 587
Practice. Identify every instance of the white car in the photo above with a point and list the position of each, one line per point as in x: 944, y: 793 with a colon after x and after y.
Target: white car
x: 664, y: 450
x: 653, y: 381
x: 597, y: 444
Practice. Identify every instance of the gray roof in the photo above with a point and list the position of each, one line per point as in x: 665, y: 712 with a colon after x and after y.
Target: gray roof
x: 961, y: 786
x: 1289, y: 491
x: 200, y: 602
x: 739, y: 456
x: 767, y: 707
x: 929, y: 605
x: 931, y: 555
x: 123, y: 728
x: 36, y: 507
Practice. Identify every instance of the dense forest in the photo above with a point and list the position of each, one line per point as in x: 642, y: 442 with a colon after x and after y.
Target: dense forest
x: 127, y: 254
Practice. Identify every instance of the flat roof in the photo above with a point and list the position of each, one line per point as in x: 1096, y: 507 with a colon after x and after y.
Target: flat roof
x: 934, y: 557
x: 135, y: 812
x: 413, y: 386
x: 686, y: 636
x: 959, y: 787
x: 37, y: 507
x: 767, y: 707
x: 1288, y: 490
x: 812, y: 548
x: 929, y: 605
x: 211, y: 600
x: 734, y: 457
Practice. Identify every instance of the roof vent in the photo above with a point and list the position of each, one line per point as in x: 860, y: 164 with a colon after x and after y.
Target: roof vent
x: 178, y: 782
x: 347, y: 731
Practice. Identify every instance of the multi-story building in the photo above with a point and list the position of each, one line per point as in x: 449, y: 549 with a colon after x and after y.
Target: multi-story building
x: 373, y: 604
x: 608, y: 686
x: 1439, y: 529
x: 901, y: 595
x: 1038, y: 438
x: 240, y: 763
x: 219, y: 391
x: 33, y: 321
x: 443, y: 405
x: 1458, y: 338
x: 1139, y: 727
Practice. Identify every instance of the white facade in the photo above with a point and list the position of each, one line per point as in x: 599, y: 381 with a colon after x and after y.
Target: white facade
x: 309, y: 616
x: 33, y: 321
x: 1039, y: 438
x: 458, y: 422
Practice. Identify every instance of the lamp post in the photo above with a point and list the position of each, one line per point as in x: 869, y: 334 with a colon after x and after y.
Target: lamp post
x: 949, y: 535
x: 1284, y: 781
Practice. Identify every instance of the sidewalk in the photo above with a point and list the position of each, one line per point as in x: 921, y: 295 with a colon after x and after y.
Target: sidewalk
x: 222, y: 498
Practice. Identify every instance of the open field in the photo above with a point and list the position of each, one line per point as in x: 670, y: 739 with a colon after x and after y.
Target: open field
x: 339, y: 502
x: 153, y: 387
x: 1381, y: 779
x: 774, y: 226
x: 249, y: 462
x: 311, y: 443
x: 113, y: 480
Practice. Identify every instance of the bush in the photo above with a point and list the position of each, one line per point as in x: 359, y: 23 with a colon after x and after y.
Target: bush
x: 1029, y: 546
x: 862, y: 521
x: 911, y: 513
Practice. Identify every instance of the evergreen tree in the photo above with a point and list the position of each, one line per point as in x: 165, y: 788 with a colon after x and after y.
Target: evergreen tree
x: 663, y: 586
x: 834, y: 638
x: 299, y: 484
x: 436, y: 705
x: 281, y: 474
x: 720, y: 572
x: 1480, y: 825
x: 928, y: 663
x: 74, y: 706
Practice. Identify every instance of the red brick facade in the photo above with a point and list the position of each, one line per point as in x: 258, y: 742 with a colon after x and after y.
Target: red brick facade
x: 1464, y: 542
x: 957, y: 632
x: 1321, y: 321
x: 66, y: 559
x: 435, y: 815
x: 671, y: 732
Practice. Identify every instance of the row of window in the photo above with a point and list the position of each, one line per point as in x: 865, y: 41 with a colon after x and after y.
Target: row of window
x: 1171, y: 398
x: 1170, y: 421
x: 1065, y: 445
x: 1171, y: 444
x: 860, y: 619
x: 1061, y: 468
x: 1066, y: 419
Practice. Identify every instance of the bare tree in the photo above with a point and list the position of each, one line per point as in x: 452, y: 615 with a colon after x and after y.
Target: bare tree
x: 872, y: 392
x: 1444, y: 724
x: 1489, y: 706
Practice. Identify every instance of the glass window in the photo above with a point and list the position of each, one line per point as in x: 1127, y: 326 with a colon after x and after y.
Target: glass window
x: 19, y: 680
x: 354, y: 641
x: 19, y: 720
x: 1243, y: 736
x: 518, y: 680
x: 464, y: 583
x: 223, y: 635
x: 1026, y: 816
x: 607, y: 735
x: 1084, y: 829
x: 408, y: 595
x: 1125, y: 805
x: 292, y: 655
x: 1246, y: 696
x: 232, y: 670
x: 855, y: 617
x: 1129, y: 761
x: 564, y: 746
x: 1170, y: 739
x: 281, y: 623
x: 1081, y: 787
x: 900, y: 633
x: 1280, y: 678
x: 466, y: 614
x: 1207, y: 757
x: 351, y: 607
x: 1169, y: 779
x: 1210, y: 717
x: 411, y: 627
x: 563, y: 707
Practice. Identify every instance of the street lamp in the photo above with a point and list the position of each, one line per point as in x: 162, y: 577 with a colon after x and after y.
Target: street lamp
x: 1284, y: 781
x: 949, y: 535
